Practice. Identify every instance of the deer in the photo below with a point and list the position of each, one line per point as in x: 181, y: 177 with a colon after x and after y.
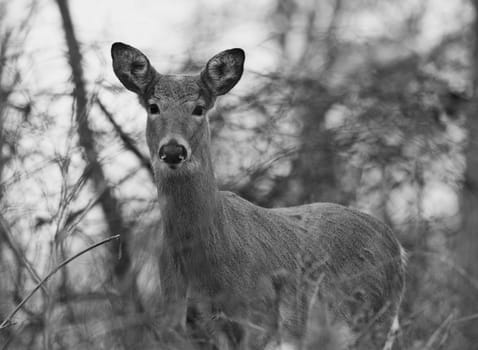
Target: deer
x: 221, y: 249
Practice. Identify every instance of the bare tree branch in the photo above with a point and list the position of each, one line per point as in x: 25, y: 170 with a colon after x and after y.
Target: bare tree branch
x: 109, y: 202
x: 128, y: 142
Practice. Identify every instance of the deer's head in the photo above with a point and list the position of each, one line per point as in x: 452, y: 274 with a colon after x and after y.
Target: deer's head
x: 177, y: 129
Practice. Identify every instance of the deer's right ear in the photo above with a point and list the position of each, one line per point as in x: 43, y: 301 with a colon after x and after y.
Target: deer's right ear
x: 132, y: 67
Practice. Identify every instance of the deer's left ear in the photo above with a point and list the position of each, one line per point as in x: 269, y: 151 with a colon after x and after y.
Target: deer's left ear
x: 223, y: 71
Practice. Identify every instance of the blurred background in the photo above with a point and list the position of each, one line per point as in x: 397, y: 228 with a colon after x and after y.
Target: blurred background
x: 371, y: 104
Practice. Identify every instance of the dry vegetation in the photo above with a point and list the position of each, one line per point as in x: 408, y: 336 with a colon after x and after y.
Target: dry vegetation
x: 384, y: 125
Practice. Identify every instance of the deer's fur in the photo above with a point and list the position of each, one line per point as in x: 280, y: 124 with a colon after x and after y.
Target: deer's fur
x: 220, y: 247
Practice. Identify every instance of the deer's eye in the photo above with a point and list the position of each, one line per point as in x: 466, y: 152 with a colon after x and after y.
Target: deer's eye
x: 153, y: 108
x: 198, y: 110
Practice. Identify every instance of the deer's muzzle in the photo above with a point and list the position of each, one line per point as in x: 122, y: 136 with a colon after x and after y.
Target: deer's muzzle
x: 173, y: 153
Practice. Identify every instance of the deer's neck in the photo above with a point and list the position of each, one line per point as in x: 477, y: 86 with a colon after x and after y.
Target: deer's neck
x: 191, y: 217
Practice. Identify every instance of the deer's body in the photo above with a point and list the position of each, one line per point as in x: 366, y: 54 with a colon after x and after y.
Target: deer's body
x: 220, y: 247
x: 232, y: 243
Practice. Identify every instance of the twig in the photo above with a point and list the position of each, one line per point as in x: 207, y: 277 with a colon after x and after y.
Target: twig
x: 440, y: 333
x: 373, y: 321
x: 128, y: 142
x: 18, y: 253
x: 315, y: 294
x: 448, y: 261
x: 465, y: 318
x: 7, y: 322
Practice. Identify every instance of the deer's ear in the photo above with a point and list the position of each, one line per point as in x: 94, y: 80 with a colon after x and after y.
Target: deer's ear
x: 131, y: 67
x: 223, y: 71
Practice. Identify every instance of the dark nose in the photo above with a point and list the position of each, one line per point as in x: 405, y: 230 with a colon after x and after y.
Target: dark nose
x: 173, y: 153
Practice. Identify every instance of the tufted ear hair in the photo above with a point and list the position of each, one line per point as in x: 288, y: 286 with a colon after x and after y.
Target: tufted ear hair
x: 223, y: 71
x: 132, y: 67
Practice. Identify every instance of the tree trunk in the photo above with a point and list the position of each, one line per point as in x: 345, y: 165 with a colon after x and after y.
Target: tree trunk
x: 466, y: 245
x: 107, y: 200
x: 315, y: 167
x: 314, y: 175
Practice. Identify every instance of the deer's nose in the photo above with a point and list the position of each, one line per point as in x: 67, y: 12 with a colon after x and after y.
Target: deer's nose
x: 173, y: 153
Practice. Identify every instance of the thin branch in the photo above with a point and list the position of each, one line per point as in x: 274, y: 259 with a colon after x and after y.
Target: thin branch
x: 331, y: 37
x: 441, y: 333
x: 448, y: 261
x: 466, y: 318
x: 18, y: 254
x: 7, y: 322
x: 128, y: 142
x: 373, y: 321
x: 109, y: 203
